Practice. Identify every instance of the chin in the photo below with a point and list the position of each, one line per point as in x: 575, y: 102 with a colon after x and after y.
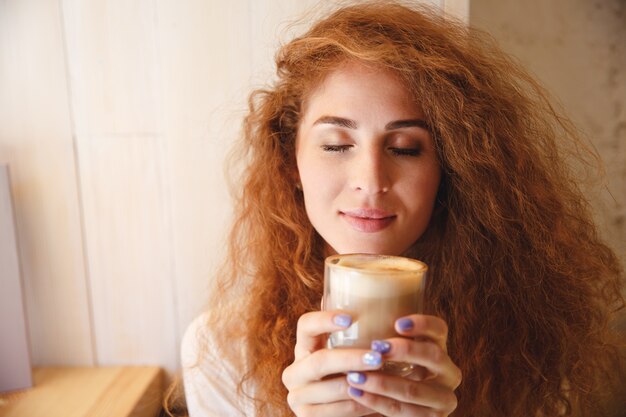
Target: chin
x: 370, y: 249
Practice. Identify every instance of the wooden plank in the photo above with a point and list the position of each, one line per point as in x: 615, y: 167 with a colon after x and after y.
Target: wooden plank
x: 36, y: 140
x: 129, y: 243
x: 113, y: 67
x: 88, y: 392
x: 205, y: 69
x: 113, y: 62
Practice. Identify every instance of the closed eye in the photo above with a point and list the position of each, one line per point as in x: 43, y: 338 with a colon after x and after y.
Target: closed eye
x: 405, y: 151
x: 336, y: 148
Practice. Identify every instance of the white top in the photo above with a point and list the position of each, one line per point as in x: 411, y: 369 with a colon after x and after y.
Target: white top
x: 210, y: 382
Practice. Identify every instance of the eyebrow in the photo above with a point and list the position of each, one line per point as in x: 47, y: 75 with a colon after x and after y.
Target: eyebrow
x: 336, y: 121
x: 351, y: 124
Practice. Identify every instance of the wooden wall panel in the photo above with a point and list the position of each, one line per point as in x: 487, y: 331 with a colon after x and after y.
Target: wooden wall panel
x: 204, y: 68
x: 128, y: 239
x: 36, y: 141
x: 112, y: 65
x: 116, y: 94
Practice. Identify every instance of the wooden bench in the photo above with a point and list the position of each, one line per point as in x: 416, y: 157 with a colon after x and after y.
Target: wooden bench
x: 88, y: 392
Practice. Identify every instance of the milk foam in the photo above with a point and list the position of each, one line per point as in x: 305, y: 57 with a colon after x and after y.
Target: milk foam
x: 379, y: 264
x: 362, y: 276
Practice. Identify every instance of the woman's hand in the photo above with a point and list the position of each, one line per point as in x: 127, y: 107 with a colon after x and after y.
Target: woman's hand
x: 316, y: 379
x: 429, y: 390
x: 318, y: 387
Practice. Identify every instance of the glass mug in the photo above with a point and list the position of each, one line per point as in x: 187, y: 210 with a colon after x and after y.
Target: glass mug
x: 375, y: 290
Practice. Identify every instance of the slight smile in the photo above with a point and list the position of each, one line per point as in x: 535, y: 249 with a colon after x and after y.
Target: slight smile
x: 368, y: 220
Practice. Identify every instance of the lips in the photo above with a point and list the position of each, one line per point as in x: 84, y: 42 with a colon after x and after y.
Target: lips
x: 368, y: 220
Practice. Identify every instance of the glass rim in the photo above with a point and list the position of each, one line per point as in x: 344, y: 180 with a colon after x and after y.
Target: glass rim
x: 422, y: 267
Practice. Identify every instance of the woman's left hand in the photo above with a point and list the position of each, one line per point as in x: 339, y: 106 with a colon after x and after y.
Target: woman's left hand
x: 429, y: 389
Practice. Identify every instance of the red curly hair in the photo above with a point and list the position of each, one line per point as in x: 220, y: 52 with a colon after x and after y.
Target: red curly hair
x: 518, y: 270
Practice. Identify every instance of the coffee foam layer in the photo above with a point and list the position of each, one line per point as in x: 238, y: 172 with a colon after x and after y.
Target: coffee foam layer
x: 374, y: 285
x: 391, y: 264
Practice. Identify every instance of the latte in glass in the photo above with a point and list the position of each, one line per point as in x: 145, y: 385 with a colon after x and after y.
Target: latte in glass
x: 375, y: 290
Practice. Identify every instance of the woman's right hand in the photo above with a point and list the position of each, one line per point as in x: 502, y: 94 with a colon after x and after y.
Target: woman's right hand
x: 316, y: 379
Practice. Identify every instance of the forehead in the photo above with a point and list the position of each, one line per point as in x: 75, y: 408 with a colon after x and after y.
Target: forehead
x: 349, y: 73
x: 358, y: 87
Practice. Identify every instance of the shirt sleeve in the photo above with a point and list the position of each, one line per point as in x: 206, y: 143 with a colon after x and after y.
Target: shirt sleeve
x: 210, y: 383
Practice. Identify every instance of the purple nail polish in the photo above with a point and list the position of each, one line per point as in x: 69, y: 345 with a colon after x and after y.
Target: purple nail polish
x: 381, y: 346
x: 356, y: 377
x: 372, y: 358
x: 342, y: 320
x: 355, y: 392
x: 404, y: 324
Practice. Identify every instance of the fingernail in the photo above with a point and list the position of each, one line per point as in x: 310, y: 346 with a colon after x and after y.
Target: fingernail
x: 381, y: 346
x: 355, y: 392
x: 356, y: 377
x: 342, y: 320
x: 404, y: 324
x: 372, y: 358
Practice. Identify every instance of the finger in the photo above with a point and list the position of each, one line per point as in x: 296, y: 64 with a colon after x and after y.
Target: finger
x: 418, y: 373
x: 326, y: 391
x: 313, y: 325
x: 388, y: 406
x: 326, y: 362
x: 426, y: 393
x: 420, y: 325
x: 428, y: 355
x: 346, y: 408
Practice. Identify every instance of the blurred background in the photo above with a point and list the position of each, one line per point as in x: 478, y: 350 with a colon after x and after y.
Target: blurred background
x: 577, y: 50
x: 115, y: 117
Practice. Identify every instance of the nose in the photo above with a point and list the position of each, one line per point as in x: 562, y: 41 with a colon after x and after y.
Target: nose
x: 369, y: 172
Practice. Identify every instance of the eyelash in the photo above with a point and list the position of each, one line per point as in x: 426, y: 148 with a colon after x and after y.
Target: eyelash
x: 335, y: 148
x: 395, y: 151
x: 405, y: 151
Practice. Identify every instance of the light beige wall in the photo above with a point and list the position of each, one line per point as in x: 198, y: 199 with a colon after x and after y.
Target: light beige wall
x: 577, y: 48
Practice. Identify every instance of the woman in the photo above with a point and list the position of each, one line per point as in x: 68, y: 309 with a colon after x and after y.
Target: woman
x: 394, y: 130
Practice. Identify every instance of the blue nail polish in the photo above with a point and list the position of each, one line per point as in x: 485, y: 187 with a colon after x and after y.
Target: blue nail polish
x: 381, y: 346
x: 355, y: 392
x: 404, y: 324
x: 372, y: 358
x: 342, y: 320
x: 356, y: 377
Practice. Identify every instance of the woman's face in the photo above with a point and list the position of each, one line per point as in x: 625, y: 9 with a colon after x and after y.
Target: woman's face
x: 367, y: 162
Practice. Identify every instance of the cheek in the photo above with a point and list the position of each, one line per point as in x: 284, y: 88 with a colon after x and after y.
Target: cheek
x: 422, y: 188
x: 432, y: 177
x: 430, y: 185
x: 317, y: 175
x: 320, y: 186
x: 307, y: 172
